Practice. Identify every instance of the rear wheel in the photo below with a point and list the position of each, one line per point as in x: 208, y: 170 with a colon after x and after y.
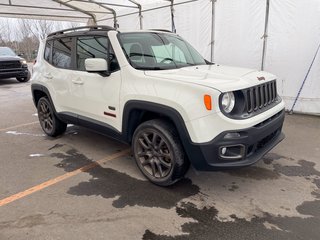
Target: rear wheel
x: 158, y: 152
x: 49, y: 122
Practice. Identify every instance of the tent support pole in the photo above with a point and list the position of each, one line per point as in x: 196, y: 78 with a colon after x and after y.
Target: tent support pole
x: 172, y: 17
x: 115, y: 24
x: 140, y: 12
x: 265, y: 35
x: 106, y: 4
x: 173, y: 27
x: 140, y: 18
x: 78, y: 9
x: 55, y: 17
x: 150, y: 9
x: 213, y: 28
x: 46, y: 8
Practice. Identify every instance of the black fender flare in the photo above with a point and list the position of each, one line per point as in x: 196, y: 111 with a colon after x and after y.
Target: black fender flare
x: 164, y: 110
x: 39, y: 87
x: 171, y: 113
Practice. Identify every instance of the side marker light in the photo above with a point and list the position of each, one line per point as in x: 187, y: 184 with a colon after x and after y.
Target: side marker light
x: 207, y: 102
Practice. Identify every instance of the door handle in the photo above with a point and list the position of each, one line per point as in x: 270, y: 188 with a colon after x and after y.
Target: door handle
x: 78, y: 81
x: 48, y: 75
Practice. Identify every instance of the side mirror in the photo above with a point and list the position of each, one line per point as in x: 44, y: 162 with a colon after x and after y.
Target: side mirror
x: 97, y: 65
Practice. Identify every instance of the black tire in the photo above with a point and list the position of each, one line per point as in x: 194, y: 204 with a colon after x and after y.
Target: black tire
x: 25, y: 79
x: 49, y: 122
x: 158, y: 152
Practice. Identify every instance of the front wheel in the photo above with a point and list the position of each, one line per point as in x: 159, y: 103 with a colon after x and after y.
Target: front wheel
x: 49, y: 122
x: 158, y: 152
x: 24, y: 79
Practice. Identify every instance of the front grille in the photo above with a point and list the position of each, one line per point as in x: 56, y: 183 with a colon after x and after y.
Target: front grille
x: 260, y: 96
x: 10, y: 65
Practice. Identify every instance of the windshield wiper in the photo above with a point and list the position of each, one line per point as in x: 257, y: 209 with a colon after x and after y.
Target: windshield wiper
x: 190, y: 64
x: 209, y: 63
x: 150, y: 68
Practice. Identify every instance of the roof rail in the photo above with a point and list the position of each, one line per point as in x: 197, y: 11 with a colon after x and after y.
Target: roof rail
x: 93, y: 27
x: 161, y: 30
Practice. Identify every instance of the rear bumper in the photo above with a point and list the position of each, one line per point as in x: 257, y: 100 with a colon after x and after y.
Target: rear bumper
x: 255, y: 142
x: 9, y: 73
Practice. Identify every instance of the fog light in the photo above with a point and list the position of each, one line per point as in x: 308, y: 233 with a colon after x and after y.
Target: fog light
x: 232, y: 152
x: 223, y: 151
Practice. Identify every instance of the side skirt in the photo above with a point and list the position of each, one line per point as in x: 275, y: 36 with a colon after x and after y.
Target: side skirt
x: 91, y: 124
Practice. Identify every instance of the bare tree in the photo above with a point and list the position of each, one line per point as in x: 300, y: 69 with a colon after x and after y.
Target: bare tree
x: 29, y: 42
x: 23, y: 35
x: 2, y: 34
x: 38, y: 28
x: 41, y: 28
x: 8, y: 34
x: 70, y: 25
x: 5, y: 31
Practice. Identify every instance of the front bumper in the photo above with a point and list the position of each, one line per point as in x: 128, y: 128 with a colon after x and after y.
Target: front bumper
x: 17, y: 73
x: 256, y: 142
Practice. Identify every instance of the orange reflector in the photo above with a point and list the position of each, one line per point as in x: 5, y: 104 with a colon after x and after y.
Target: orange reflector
x: 207, y: 102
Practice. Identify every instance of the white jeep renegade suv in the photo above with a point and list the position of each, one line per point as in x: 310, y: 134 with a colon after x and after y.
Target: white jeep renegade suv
x: 153, y: 90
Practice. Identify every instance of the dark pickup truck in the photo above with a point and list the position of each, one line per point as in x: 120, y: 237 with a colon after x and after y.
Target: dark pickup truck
x: 12, y: 65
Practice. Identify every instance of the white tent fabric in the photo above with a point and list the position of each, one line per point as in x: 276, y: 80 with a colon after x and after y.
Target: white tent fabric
x: 236, y: 29
x: 193, y: 23
x: 163, y: 20
x: 294, y: 35
x: 72, y: 10
x: 239, y: 28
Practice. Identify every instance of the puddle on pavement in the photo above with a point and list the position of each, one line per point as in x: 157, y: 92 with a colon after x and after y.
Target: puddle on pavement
x: 207, y: 226
x: 109, y: 183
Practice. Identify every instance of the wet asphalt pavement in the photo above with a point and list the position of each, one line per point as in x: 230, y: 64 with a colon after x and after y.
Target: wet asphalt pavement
x: 278, y: 198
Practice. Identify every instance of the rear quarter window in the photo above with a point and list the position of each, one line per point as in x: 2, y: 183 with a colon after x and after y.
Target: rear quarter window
x: 47, y: 51
x: 61, y: 53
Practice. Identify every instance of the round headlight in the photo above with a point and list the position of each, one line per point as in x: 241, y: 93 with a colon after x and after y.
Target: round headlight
x: 22, y: 61
x: 228, y: 102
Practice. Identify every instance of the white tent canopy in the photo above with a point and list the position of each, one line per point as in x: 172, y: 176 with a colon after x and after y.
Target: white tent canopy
x: 79, y: 10
x: 279, y: 36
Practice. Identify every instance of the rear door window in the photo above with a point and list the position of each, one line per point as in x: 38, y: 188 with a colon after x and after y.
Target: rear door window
x: 95, y: 47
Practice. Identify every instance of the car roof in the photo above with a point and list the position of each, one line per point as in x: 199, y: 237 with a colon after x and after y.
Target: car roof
x: 99, y: 30
x: 149, y: 30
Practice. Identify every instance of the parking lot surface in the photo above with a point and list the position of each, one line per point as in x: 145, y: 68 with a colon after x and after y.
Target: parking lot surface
x: 83, y: 185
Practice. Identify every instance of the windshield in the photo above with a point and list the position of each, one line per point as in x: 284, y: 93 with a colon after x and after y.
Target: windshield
x: 158, y: 51
x: 5, y: 51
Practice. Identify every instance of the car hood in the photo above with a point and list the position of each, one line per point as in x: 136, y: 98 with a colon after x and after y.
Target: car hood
x: 221, y: 78
x: 9, y: 58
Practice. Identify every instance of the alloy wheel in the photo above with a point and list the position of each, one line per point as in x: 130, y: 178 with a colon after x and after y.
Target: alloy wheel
x: 45, y: 116
x: 154, y: 154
